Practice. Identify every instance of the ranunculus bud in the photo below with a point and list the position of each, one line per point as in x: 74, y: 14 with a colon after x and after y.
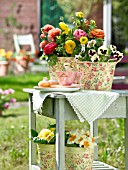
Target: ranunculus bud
x: 6, y: 105
x: 13, y: 100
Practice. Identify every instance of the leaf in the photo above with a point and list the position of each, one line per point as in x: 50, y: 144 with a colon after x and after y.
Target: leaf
x: 34, y: 133
x: 52, y: 126
x: 41, y: 141
x: 52, y: 141
x: 72, y: 145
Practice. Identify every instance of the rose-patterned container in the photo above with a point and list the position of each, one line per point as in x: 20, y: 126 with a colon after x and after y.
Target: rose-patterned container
x: 97, y: 75
x: 4, y: 68
x: 75, y: 158
x: 61, y: 65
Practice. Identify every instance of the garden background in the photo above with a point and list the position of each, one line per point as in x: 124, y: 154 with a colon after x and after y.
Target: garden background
x: 14, y: 122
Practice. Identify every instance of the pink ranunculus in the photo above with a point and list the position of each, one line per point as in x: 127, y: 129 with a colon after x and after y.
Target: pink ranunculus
x: 13, y: 100
x: 49, y: 48
x: 79, y: 33
x: 6, y: 105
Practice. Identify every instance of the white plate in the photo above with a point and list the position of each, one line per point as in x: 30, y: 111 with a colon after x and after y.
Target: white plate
x: 60, y: 89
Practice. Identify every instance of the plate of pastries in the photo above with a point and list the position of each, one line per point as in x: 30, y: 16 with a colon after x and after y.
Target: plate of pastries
x: 53, y: 85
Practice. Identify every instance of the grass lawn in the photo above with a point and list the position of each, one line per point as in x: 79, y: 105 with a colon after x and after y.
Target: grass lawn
x: 14, y: 139
x: 20, y: 81
x: 14, y: 129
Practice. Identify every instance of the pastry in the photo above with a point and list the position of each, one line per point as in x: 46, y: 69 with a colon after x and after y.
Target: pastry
x: 53, y: 81
x: 44, y: 83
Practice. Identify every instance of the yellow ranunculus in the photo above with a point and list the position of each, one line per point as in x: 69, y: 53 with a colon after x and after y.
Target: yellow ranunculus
x: 2, y: 52
x: 70, y: 43
x: 80, y: 14
x: 64, y: 27
x: 83, y: 40
x: 68, y: 50
x: 69, y: 46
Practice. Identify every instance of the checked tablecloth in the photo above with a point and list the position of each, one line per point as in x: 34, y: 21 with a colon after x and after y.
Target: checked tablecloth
x: 88, y: 105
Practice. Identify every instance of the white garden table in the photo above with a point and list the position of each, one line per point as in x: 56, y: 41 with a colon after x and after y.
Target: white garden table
x: 58, y: 107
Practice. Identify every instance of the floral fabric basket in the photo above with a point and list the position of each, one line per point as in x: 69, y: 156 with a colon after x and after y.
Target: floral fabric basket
x: 97, y: 75
x: 61, y: 65
x: 75, y: 158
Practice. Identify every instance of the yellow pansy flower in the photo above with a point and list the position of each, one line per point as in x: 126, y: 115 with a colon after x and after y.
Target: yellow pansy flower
x: 83, y: 40
x: 46, y: 134
x: 80, y: 14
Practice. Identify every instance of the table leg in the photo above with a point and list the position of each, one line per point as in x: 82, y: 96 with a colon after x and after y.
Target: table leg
x: 94, y: 132
x: 126, y: 136
x: 60, y: 140
x: 32, y: 125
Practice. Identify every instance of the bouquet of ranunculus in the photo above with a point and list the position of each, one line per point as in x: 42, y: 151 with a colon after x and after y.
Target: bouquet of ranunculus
x: 83, y: 40
x: 5, y: 99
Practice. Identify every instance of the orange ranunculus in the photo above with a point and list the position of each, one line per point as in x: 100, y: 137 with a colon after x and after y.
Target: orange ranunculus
x: 97, y: 33
x: 47, y: 27
x: 43, y: 43
x: 53, y: 33
x: 43, y: 35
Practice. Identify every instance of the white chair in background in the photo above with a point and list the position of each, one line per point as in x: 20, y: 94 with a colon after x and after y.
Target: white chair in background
x: 25, y: 40
x: 22, y: 40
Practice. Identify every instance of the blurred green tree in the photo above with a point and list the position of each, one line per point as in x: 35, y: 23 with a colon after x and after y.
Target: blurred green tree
x: 120, y: 24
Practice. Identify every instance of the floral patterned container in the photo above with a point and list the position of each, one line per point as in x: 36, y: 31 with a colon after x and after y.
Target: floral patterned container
x: 78, y: 158
x: 75, y: 158
x: 4, y: 68
x: 60, y: 65
x: 97, y: 75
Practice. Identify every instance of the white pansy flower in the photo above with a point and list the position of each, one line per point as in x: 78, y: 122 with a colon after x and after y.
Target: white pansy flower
x: 112, y: 48
x: 91, y: 43
x: 82, y: 48
x: 95, y: 58
x: 102, y: 50
x: 91, y: 52
x: 118, y: 55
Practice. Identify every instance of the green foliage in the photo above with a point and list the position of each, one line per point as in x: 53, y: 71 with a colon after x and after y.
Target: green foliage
x: 120, y: 24
x: 34, y: 133
x: 69, y: 7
